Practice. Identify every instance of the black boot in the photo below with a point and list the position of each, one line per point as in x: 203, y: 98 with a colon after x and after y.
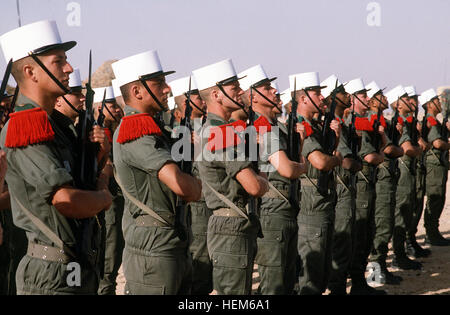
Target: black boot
x: 360, y: 287
x: 436, y: 239
x: 387, y: 277
x: 415, y: 250
x: 403, y: 262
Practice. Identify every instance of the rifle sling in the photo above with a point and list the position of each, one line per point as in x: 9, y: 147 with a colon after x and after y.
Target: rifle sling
x: 45, y: 229
x: 274, y: 189
x: 138, y: 203
x: 227, y: 201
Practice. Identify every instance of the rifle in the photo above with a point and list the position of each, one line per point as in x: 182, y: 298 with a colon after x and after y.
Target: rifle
x: 101, y: 116
x: 186, y: 167
x: 444, y: 133
x: 293, y: 148
x: 328, y: 142
x: 413, y: 133
x: 424, y: 136
x: 393, y: 132
x: 253, y: 202
x: 88, y: 168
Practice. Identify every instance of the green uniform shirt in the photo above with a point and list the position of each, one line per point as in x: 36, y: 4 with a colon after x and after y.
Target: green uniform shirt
x: 34, y: 174
x: 137, y: 163
x: 221, y: 173
x: 434, y: 155
x: 344, y: 149
x: 311, y: 144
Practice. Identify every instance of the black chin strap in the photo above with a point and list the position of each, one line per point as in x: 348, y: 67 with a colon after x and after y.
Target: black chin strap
x: 39, y: 62
x: 317, y: 107
x: 152, y: 95
x: 192, y: 103
x: 264, y: 97
x: 365, y: 105
x: 107, y: 109
x: 237, y: 103
x: 71, y: 106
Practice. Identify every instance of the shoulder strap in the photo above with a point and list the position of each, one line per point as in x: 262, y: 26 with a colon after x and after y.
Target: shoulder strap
x: 274, y: 189
x: 45, y: 229
x: 138, y: 203
x: 227, y: 201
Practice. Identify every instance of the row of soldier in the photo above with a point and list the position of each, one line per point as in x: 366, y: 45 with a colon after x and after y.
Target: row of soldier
x: 325, y: 195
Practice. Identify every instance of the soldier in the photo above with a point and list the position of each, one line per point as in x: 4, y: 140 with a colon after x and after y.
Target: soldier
x: 384, y: 187
x: 114, y: 242
x: 198, y: 211
x: 345, y: 190
x: 277, y: 251
x: 365, y: 186
x: 13, y: 245
x: 59, y: 228
x: 399, y: 101
x: 437, y: 168
x: 316, y: 217
x: 156, y: 259
x: 228, y: 181
x: 412, y: 247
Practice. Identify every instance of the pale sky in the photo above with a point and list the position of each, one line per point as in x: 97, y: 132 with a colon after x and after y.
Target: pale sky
x: 411, y: 46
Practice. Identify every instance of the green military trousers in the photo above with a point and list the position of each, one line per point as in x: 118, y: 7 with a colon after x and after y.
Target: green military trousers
x: 342, y: 239
x: 436, y: 180
x: 155, y: 260
x: 114, y: 244
x: 364, y: 217
x: 384, y: 214
x: 277, y: 251
x: 315, y: 234
x: 201, y: 263
x: 403, y: 209
x: 232, y: 248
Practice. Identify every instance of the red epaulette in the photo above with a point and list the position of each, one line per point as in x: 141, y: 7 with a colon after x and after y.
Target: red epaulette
x: 432, y: 121
x: 409, y: 119
x: 308, y: 128
x: 27, y: 127
x: 108, y: 134
x: 400, y: 121
x: 224, y: 136
x: 382, y: 120
x: 137, y: 126
x: 340, y: 120
x: 363, y: 124
x: 262, y: 125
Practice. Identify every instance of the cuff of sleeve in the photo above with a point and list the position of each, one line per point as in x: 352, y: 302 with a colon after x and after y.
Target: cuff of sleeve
x: 51, y: 181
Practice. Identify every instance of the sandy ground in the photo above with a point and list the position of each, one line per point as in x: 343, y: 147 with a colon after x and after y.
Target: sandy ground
x: 433, y: 279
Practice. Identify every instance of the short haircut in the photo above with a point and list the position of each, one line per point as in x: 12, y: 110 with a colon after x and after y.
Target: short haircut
x: 17, y: 68
x: 125, y: 90
x: 205, y: 94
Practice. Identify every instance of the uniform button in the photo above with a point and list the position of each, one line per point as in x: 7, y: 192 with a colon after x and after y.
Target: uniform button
x: 45, y: 248
x: 44, y: 257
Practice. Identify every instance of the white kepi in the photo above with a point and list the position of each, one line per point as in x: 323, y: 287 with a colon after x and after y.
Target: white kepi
x: 330, y: 85
x: 286, y: 97
x: 35, y: 38
x: 356, y: 86
x: 253, y: 77
x: 276, y: 87
x: 304, y: 81
x: 99, y: 92
x: 144, y: 66
x: 116, y: 87
x: 395, y: 94
x: 427, y: 96
x: 75, y: 83
x: 411, y: 90
x: 373, y: 89
x: 181, y: 86
x: 218, y: 73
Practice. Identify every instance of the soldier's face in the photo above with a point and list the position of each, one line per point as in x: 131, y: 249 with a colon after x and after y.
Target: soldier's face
x: 234, y: 91
x: 76, y: 99
x: 56, y: 62
x: 269, y: 92
x: 403, y: 105
x: 115, y: 110
x: 198, y: 101
x: 413, y: 102
x: 344, y: 98
x: 160, y: 89
x: 360, y: 102
x: 317, y: 98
